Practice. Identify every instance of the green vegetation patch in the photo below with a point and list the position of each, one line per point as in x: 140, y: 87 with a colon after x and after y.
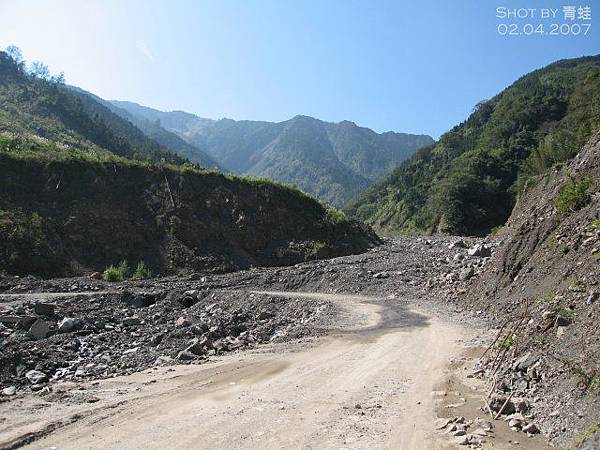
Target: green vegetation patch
x: 116, y: 273
x: 468, y: 182
x: 142, y: 272
x: 574, y: 194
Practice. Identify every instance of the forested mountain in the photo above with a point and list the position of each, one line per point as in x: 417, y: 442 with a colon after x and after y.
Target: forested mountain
x: 333, y: 161
x: 467, y: 183
x: 153, y: 129
x: 82, y: 188
x: 40, y: 105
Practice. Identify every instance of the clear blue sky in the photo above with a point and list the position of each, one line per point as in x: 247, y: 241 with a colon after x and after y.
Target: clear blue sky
x: 416, y: 66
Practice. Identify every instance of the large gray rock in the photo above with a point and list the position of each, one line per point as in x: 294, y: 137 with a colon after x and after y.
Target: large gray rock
x: 39, y: 329
x: 525, y: 362
x: 457, y: 244
x: 480, y: 250
x: 44, y: 309
x: 9, y: 391
x: 36, y: 377
x: 68, y: 324
x: 593, y: 297
x: 466, y: 273
x: 197, y: 346
x: 531, y: 429
x: 131, y: 321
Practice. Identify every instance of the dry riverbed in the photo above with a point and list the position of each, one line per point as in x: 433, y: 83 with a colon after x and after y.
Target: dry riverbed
x: 347, y: 353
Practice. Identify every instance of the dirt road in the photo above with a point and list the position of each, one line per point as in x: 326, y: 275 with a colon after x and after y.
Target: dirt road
x: 367, y: 385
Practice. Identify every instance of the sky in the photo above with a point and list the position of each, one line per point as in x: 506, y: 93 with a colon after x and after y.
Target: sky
x: 409, y: 66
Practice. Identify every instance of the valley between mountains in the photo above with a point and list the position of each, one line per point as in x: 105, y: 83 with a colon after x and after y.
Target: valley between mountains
x: 163, y: 286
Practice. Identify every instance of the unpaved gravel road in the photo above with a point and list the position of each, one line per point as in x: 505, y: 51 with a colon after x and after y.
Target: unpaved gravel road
x: 367, y: 385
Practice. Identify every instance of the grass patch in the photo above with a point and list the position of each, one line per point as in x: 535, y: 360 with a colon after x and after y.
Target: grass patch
x: 497, y: 230
x: 142, y: 272
x: 508, y: 342
x: 549, y: 299
x: 116, y: 273
x: 592, y: 431
x: 594, y: 224
x: 567, y: 314
x: 574, y: 194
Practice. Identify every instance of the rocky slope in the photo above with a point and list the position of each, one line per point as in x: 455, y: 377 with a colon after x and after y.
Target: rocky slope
x: 334, y: 161
x: 108, y: 334
x: 69, y: 214
x: 543, y: 284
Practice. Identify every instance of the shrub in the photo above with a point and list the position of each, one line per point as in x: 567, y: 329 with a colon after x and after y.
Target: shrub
x: 116, y: 273
x: 142, y: 272
x: 594, y: 224
x: 574, y: 194
x: 335, y: 216
x: 566, y: 314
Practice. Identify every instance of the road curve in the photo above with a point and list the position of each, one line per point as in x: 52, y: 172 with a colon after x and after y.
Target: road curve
x: 367, y: 385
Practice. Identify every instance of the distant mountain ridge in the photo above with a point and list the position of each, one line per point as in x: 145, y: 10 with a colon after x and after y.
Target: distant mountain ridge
x: 158, y: 133
x: 334, y: 161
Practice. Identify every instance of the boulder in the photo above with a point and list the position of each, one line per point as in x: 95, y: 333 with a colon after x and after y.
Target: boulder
x: 162, y: 360
x: 530, y: 429
x: 440, y: 424
x: 466, y: 273
x: 39, y: 329
x: 462, y: 440
x: 381, y: 275
x: 480, y: 250
x: 36, y: 377
x: 157, y: 339
x: 182, y: 322
x: 131, y: 321
x: 497, y: 401
x: 26, y: 321
x: 68, y: 324
x: 44, y: 309
x: 141, y: 300
x: 197, y: 346
x: 185, y: 355
x: 9, y: 391
x: 593, y: 297
x: 186, y: 301
x: 457, y: 244
x: 525, y: 362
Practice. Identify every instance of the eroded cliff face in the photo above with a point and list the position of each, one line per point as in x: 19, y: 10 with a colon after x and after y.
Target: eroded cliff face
x: 73, y: 216
x: 543, y: 282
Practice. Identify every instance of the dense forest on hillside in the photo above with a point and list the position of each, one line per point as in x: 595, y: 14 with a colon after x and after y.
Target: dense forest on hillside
x: 154, y: 130
x: 467, y: 183
x: 32, y: 102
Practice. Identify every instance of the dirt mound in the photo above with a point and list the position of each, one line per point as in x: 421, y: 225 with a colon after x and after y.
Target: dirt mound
x: 67, y: 217
x: 543, y: 286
